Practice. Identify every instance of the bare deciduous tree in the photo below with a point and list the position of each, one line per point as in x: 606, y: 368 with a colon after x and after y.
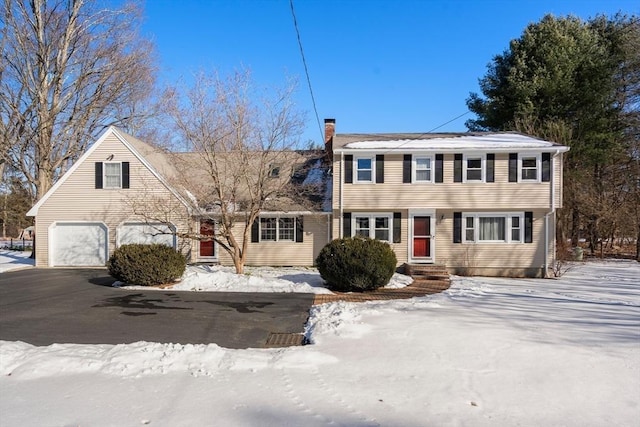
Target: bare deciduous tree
x: 241, y: 158
x: 69, y: 68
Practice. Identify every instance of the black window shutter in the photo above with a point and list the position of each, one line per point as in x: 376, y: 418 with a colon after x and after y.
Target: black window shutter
x: 546, y: 167
x: 348, y: 169
x: 439, y: 164
x: 346, y: 224
x: 299, y: 230
x: 528, y: 227
x: 406, y: 169
x: 125, y: 174
x: 513, y: 167
x: 491, y: 159
x: 457, y: 168
x: 98, y: 174
x: 397, y: 227
x: 380, y: 169
x: 255, y: 231
x: 457, y: 227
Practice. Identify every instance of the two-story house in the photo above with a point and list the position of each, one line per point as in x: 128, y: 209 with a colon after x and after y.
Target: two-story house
x: 478, y: 203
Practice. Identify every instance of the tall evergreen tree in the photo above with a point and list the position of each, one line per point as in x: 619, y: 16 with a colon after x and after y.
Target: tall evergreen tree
x: 575, y: 82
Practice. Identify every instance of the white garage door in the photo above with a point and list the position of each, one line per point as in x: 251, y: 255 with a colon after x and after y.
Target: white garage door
x: 78, y: 244
x: 146, y: 233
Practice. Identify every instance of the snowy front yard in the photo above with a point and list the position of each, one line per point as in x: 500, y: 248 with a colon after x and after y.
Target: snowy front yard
x: 487, y: 352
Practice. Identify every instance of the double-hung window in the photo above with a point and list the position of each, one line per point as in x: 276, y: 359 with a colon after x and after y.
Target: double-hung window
x: 364, y: 169
x: 112, y: 175
x: 474, y: 168
x: 422, y: 167
x: 489, y: 227
x: 374, y: 226
x: 529, y: 168
x: 277, y: 229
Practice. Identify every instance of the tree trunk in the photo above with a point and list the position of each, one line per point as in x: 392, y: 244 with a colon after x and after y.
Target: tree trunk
x: 33, y: 247
x: 575, y: 226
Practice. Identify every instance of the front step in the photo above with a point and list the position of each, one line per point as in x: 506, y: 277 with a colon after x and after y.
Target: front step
x: 431, y: 274
x: 425, y: 270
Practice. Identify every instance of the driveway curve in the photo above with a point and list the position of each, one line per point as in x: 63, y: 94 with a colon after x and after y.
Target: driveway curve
x: 46, y: 306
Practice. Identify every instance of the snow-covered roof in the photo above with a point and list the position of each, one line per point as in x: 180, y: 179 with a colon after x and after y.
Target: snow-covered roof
x: 445, y: 142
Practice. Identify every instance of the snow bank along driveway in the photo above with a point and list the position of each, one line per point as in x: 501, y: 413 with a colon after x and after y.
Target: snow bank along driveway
x: 487, y: 352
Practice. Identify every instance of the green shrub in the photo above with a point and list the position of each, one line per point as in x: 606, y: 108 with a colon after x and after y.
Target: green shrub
x: 146, y: 265
x: 356, y: 264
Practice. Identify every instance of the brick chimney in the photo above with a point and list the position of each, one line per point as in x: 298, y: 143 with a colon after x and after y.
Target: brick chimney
x: 329, y: 132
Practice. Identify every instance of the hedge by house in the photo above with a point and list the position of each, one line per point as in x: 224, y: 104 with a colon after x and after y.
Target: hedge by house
x: 356, y: 264
x: 146, y: 265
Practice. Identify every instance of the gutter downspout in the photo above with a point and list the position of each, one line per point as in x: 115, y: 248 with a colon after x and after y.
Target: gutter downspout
x: 340, y: 206
x: 552, y: 203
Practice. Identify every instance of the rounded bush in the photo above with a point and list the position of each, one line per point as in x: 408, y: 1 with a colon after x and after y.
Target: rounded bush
x: 146, y: 265
x: 356, y: 264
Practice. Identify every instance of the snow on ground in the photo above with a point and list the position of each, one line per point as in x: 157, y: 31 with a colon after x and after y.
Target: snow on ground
x: 13, y: 260
x: 487, y: 352
x: 205, y: 278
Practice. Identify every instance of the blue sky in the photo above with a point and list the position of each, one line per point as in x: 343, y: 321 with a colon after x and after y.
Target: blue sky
x: 375, y: 66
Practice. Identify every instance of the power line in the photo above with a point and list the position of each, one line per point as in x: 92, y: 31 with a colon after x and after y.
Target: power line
x: 446, y: 123
x: 306, y: 70
x: 427, y: 133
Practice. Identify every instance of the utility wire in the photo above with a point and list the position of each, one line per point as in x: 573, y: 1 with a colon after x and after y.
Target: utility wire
x: 446, y: 123
x: 426, y: 133
x: 306, y: 70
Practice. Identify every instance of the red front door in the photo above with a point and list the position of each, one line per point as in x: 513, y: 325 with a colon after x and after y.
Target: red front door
x: 421, y: 236
x: 207, y: 248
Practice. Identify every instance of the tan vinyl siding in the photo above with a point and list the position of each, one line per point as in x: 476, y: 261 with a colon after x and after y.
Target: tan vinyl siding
x: 285, y: 253
x: 489, y: 258
x: 401, y: 249
x: 500, y: 194
x: 77, y: 199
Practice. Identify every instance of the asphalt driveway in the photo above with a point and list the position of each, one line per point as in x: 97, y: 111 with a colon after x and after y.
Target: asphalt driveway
x: 46, y: 306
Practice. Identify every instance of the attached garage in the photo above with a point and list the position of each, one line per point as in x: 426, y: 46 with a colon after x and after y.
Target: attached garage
x: 146, y: 233
x: 78, y: 244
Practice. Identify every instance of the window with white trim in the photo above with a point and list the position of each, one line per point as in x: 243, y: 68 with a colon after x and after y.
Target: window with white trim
x: 529, y: 166
x: 516, y: 228
x: 493, y: 227
x: 374, y: 226
x: 277, y: 229
x: 112, y: 175
x: 474, y: 168
x: 422, y: 169
x: 364, y: 169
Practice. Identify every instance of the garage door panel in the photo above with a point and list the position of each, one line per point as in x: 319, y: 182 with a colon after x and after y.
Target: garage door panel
x: 79, y: 244
x: 146, y: 234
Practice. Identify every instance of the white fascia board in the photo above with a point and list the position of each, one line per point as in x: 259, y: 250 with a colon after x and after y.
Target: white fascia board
x: 34, y: 209
x: 401, y: 150
x: 272, y: 213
